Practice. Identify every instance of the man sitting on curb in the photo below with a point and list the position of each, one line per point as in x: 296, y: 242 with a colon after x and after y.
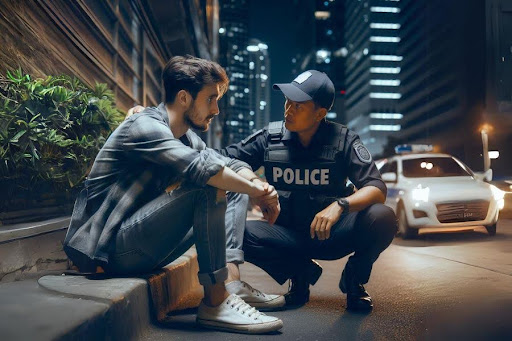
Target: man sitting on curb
x: 128, y: 219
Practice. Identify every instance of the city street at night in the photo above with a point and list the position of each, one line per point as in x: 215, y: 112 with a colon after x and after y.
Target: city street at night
x: 138, y: 137
x: 450, y: 286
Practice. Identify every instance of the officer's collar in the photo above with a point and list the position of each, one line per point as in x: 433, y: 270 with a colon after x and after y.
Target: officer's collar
x: 319, y: 135
x: 287, y: 135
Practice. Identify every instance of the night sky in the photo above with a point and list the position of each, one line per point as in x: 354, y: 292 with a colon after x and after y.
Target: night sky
x: 277, y: 23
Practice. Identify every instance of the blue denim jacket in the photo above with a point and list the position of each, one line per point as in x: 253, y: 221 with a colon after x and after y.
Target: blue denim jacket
x: 138, y: 161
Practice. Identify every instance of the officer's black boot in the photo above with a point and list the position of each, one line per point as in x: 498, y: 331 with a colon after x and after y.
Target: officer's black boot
x: 298, y: 294
x: 358, y: 299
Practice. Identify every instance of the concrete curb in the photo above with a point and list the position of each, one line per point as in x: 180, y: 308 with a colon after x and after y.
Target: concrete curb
x: 176, y: 286
x: 126, y: 299
x: 75, y: 307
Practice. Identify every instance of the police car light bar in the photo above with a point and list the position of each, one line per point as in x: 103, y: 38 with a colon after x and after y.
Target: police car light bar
x: 413, y: 148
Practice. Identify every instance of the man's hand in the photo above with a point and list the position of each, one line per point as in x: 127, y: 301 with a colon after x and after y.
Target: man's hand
x: 324, y: 220
x: 134, y: 110
x: 269, y: 203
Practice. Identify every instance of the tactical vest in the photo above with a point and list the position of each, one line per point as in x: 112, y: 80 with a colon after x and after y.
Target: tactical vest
x: 313, y: 171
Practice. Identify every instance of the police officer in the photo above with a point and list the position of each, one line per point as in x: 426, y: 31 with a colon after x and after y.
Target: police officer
x: 309, y: 160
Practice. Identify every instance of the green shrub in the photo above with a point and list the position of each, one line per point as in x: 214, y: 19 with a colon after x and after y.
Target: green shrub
x: 50, y: 130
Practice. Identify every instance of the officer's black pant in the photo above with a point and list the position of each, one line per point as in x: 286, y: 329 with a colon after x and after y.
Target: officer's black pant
x: 283, y: 251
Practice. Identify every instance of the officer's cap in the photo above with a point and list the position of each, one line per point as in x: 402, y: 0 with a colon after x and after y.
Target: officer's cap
x: 309, y: 85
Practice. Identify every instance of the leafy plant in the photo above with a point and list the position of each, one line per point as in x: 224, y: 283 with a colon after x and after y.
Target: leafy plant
x: 51, y: 129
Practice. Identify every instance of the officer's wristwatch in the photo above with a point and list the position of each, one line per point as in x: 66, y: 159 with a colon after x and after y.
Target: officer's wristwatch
x: 344, y: 204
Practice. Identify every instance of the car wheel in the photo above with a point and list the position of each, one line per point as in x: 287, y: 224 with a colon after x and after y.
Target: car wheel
x: 403, y: 226
x: 491, y: 229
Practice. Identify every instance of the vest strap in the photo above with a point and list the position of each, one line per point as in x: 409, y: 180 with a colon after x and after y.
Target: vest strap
x: 275, y: 131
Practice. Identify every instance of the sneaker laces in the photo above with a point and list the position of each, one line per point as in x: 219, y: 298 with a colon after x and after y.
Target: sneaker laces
x: 253, y: 290
x: 240, y: 305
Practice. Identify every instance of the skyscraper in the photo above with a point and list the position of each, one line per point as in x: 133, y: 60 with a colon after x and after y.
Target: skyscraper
x: 245, y: 107
x: 372, y: 70
x: 442, y: 76
x: 325, y: 50
x: 259, y: 85
x: 233, y: 56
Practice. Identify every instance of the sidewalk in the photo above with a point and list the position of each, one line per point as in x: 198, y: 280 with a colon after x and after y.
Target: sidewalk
x: 40, y: 303
x: 70, y: 307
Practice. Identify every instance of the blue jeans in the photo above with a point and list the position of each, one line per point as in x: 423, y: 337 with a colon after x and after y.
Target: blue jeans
x: 160, y: 231
x: 166, y: 227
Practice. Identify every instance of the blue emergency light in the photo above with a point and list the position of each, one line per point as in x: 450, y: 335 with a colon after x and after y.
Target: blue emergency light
x: 413, y: 148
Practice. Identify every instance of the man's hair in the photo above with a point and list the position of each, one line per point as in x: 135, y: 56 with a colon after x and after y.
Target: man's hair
x: 192, y: 74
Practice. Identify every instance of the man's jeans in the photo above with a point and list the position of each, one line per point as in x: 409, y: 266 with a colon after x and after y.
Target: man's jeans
x: 160, y: 232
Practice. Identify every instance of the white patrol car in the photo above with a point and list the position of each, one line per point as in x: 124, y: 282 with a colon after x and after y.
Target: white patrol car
x: 430, y: 190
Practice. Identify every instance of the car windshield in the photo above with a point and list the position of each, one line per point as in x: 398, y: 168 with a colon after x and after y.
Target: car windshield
x: 433, y: 167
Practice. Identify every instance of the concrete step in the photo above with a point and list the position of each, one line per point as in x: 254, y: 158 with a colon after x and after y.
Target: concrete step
x: 30, y: 248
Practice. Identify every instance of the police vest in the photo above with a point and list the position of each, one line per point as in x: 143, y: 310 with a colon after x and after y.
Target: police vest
x: 313, y: 170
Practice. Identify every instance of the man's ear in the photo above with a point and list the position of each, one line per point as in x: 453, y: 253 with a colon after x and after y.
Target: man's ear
x: 184, y: 98
x: 320, y: 114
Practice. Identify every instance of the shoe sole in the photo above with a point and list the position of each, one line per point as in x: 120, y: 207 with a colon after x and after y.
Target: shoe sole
x: 275, y: 304
x: 259, y: 328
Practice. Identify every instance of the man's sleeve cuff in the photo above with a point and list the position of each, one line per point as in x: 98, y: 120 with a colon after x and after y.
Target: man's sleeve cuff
x: 236, y: 165
x: 206, y: 165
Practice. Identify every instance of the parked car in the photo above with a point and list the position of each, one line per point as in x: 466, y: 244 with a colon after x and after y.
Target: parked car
x: 431, y: 190
x: 505, y: 184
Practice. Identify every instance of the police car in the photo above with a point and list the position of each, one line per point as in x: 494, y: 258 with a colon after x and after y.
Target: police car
x: 432, y: 190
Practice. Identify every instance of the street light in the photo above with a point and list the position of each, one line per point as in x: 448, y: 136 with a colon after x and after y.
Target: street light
x: 485, y: 129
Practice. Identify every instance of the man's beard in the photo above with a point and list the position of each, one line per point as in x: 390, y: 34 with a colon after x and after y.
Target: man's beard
x: 190, y: 115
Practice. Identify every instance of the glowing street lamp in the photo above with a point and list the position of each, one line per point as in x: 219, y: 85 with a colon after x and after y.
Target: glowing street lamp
x: 485, y: 129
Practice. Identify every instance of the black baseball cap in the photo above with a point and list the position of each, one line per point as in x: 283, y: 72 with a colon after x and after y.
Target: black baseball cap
x: 310, y: 85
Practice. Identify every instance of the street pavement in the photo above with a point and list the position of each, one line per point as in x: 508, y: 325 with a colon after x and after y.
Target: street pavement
x: 441, y: 286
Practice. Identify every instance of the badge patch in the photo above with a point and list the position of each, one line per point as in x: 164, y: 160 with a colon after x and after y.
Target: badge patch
x: 362, y: 153
x: 303, y: 77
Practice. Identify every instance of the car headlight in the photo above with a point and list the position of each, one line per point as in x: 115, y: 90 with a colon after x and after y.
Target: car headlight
x: 420, y: 194
x: 497, y: 193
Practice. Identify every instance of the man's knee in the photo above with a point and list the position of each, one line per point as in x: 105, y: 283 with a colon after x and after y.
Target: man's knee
x: 382, y: 218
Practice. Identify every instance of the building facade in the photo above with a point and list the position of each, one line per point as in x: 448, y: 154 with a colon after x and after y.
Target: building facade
x: 259, y: 85
x: 246, y: 106
x: 372, y: 70
x: 233, y: 42
x: 124, y: 43
x: 325, y: 50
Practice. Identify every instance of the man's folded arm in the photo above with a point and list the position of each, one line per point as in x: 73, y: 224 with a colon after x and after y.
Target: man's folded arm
x: 151, y: 140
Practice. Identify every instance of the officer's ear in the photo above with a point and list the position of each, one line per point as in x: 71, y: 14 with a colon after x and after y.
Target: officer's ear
x: 320, y: 113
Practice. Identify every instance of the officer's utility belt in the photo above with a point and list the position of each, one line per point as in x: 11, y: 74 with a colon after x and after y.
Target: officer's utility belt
x: 320, y: 198
x: 298, y: 208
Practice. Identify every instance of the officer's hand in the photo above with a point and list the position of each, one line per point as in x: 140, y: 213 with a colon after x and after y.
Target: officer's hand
x: 134, y: 110
x: 324, y: 220
x: 268, y: 203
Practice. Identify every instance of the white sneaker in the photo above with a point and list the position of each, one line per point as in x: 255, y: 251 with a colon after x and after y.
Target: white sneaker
x: 254, y: 297
x: 234, y: 315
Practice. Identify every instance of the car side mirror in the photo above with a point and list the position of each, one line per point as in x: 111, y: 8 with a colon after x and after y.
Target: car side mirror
x: 389, y: 177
